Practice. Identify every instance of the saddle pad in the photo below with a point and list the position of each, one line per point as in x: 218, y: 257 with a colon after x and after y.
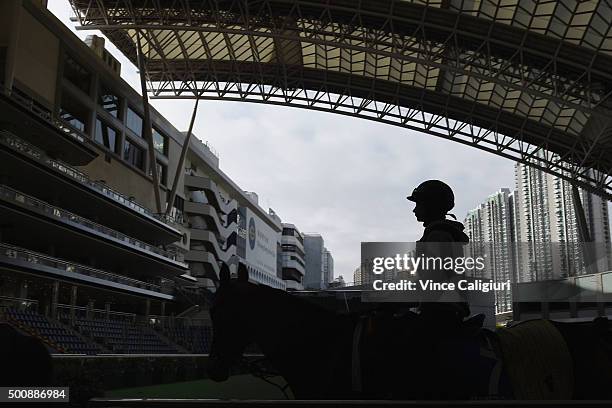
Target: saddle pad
x: 537, y: 361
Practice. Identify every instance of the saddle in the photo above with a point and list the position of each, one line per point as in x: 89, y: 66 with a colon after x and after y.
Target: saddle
x: 461, y: 362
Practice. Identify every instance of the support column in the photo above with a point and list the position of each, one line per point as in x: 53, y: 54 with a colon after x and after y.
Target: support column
x: 545, y: 310
x: 516, y: 311
x: 601, y: 304
x: 181, y: 162
x: 147, y: 309
x: 107, y: 306
x: 90, y: 307
x: 583, y: 231
x: 73, y: 301
x: 54, y: 298
x: 147, y: 128
x: 162, y: 312
x: 573, y: 308
x: 23, y: 289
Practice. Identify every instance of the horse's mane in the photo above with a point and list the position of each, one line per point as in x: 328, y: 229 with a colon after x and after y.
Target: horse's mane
x: 314, y: 307
x: 303, y: 305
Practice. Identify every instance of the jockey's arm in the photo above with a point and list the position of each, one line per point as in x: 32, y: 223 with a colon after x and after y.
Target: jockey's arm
x: 437, y: 245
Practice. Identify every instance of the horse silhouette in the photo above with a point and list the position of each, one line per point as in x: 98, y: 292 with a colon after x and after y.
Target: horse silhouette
x: 396, y: 357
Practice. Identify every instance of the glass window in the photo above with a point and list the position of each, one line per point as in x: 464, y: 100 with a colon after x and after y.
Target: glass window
x: 75, y: 121
x: 160, y: 142
x: 133, y: 154
x: 106, y: 135
x: 73, y: 112
x: 177, y: 209
x: 77, y: 75
x: 161, y: 173
x: 134, y: 122
x: 109, y: 101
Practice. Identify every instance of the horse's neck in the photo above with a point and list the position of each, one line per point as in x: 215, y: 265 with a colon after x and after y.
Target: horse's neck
x: 306, y: 343
x: 282, y: 323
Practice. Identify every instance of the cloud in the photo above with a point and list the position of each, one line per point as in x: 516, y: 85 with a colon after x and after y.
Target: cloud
x: 342, y: 177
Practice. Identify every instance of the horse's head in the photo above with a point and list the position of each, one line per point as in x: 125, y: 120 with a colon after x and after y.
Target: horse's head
x: 231, y: 333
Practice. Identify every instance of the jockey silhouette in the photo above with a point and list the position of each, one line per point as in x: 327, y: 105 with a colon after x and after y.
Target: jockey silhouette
x: 442, y: 238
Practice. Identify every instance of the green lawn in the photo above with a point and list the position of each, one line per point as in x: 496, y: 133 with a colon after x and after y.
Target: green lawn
x: 236, y: 387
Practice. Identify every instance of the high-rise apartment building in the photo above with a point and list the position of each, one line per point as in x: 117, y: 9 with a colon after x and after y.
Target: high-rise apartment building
x: 490, y: 227
x: 547, y: 231
x: 532, y: 233
x: 357, y: 279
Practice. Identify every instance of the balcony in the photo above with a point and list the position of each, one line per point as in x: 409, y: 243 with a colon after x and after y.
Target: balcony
x: 33, y: 172
x: 210, y: 213
x: 202, y: 264
x: 23, y: 116
x: 292, y: 274
x: 293, y: 241
x: 210, y: 241
x: 32, y: 223
x: 12, y: 257
x: 293, y: 265
x: 211, y: 191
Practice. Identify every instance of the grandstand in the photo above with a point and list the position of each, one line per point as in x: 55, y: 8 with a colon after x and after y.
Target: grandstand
x: 93, y: 261
x: 118, y: 334
x: 54, y: 335
x: 197, y: 339
x: 109, y: 239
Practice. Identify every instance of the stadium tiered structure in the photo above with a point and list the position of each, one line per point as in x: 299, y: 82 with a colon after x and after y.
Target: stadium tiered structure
x: 514, y: 78
x: 99, y: 336
x: 114, y: 223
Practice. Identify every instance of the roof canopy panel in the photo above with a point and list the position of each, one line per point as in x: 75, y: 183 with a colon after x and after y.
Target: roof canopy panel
x: 534, y: 72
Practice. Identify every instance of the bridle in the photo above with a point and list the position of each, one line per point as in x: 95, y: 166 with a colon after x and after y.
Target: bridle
x: 257, y: 368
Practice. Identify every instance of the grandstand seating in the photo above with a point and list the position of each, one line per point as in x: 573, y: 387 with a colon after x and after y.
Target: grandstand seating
x: 101, y: 335
x: 196, y: 339
x: 124, y: 337
x: 53, y: 334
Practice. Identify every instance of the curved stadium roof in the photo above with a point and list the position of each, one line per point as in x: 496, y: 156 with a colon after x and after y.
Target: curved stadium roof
x: 528, y: 80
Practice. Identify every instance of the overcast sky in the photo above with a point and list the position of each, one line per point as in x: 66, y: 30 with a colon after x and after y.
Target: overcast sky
x: 342, y: 177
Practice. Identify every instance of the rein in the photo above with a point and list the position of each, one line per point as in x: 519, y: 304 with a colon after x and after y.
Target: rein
x: 257, y: 368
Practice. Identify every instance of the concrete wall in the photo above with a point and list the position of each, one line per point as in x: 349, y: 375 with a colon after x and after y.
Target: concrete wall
x: 36, y: 58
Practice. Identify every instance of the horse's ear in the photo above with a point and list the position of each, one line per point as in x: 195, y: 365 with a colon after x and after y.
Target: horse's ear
x: 243, y: 273
x: 224, y: 274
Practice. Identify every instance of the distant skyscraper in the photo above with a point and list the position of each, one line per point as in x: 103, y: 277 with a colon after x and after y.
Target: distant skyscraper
x: 532, y: 233
x: 357, y: 276
x: 319, y: 262
x: 328, y: 267
x: 491, y: 231
x: 547, y: 228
